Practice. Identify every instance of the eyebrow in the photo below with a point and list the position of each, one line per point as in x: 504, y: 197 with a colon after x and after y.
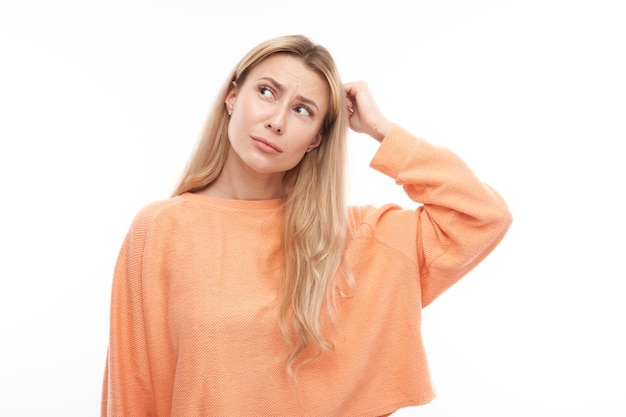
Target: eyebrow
x: 282, y: 88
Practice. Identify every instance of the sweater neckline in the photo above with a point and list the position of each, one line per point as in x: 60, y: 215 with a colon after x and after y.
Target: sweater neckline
x: 232, y: 203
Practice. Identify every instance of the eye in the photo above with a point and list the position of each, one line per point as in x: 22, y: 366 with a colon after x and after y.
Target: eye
x: 304, y: 111
x: 265, y: 91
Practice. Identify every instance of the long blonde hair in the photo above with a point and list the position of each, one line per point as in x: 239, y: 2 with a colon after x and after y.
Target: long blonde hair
x: 315, y: 216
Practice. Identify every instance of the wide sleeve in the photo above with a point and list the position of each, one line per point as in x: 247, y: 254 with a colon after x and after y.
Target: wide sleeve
x: 127, y: 387
x: 459, y: 220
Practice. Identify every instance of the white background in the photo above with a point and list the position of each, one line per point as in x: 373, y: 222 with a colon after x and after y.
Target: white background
x: 101, y: 103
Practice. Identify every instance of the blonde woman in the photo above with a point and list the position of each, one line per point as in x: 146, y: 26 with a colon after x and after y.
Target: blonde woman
x: 255, y: 291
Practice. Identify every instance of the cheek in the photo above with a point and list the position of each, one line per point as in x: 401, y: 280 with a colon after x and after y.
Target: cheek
x: 306, y: 136
x: 236, y: 123
x: 295, y: 149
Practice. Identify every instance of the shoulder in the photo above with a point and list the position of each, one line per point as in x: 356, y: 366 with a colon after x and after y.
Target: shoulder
x: 381, y: 218
x: 155, y: 212
x: 154, y: 209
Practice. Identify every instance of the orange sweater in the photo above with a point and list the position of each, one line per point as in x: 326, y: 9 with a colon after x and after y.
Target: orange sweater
x: 194, y: 327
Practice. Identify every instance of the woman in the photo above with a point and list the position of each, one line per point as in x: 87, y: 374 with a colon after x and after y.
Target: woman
x: 255, y: 291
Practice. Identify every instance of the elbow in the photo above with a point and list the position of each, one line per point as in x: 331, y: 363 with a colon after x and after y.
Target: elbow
x: 500, y: 217
x: 505, y: 218
x: 500, y: 222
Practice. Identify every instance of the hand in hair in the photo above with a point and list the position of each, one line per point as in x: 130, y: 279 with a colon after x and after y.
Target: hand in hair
x: 364, y: 114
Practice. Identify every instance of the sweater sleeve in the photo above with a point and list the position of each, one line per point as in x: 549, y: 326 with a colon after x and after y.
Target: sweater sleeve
x: 460, y: 219
x: 127, y: 387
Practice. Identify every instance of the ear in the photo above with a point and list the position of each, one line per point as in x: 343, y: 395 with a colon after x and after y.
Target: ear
x: 316, y: 142
x: 230, y: 98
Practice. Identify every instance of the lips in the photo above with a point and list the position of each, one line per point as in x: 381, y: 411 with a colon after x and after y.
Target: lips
x: 266, y: 145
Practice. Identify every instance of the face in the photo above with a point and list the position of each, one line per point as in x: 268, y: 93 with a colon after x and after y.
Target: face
x: 277, y: 114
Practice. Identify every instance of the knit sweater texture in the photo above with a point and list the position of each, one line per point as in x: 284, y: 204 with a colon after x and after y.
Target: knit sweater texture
x: 194, y: 310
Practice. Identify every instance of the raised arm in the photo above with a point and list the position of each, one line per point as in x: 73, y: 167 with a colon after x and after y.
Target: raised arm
x: 459, y: 220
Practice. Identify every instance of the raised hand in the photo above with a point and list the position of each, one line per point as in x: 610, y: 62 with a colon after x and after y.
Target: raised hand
x: 364, y: 114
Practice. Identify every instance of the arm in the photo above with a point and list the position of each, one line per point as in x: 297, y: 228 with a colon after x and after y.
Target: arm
x: 127, y: 387
x: 460, y: 219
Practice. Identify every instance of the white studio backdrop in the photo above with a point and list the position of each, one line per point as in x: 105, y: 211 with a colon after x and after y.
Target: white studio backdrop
x: 101, y: 104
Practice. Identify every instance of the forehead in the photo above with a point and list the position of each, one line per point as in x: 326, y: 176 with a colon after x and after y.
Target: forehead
x: 294, y: 74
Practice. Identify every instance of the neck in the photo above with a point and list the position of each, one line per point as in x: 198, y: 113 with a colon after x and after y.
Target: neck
x: 233, y: 186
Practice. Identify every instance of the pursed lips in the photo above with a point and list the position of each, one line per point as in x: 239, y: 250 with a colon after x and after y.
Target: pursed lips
x: 268, y: 143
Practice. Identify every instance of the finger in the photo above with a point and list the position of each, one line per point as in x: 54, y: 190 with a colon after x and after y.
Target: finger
x: 350, y: 105
x: 352, y: 88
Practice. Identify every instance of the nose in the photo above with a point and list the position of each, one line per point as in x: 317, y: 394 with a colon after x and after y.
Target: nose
x: 276, y: 122
x: 273, y: 126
